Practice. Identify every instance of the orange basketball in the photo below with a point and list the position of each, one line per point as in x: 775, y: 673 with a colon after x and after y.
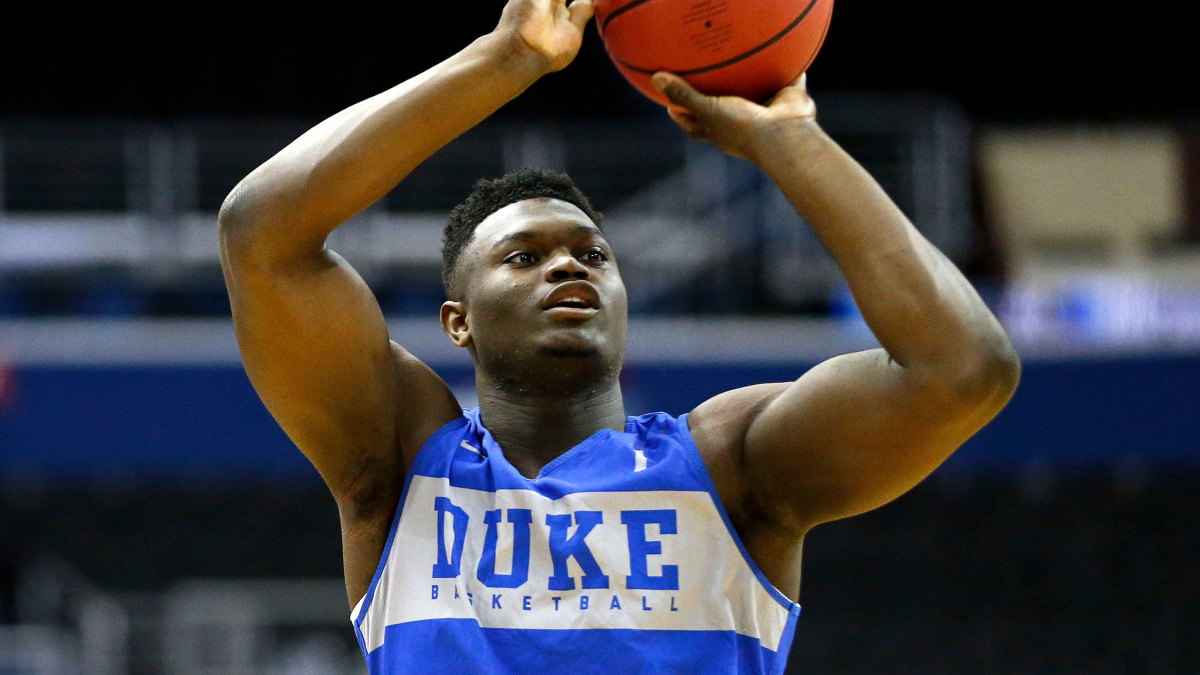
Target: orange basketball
x: 747, y: 48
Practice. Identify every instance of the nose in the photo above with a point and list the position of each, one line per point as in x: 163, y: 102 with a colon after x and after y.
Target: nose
x: 565, y: 266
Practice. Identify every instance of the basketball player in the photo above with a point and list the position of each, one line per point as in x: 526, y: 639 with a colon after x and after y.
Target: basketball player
x: 545, y: 531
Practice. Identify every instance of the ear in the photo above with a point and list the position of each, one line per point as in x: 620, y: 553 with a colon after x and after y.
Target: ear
x: 454, y: 323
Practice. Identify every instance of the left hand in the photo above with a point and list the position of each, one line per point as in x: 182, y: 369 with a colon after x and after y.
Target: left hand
x: 552, y: 29
x: 736, y: 126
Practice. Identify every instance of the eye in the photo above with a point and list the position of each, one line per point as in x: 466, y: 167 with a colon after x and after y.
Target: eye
x: 595, y: 256
x: 519, y: 258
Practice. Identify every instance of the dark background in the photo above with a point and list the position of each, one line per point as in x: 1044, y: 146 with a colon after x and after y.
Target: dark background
x: 1062, y: 539
x: 1003, y: 62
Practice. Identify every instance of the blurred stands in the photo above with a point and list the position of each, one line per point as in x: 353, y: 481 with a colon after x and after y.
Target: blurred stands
x: 1045, y: 571
x: 1093, y: 226
x: 1109, y: 198
x: 1041, y: 571
x: 153, y: 518
x: 118, y: 218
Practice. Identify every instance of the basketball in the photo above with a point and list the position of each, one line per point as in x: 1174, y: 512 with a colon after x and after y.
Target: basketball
x: 747, y: 48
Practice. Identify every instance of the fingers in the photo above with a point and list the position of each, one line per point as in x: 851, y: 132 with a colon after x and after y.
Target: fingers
x: 581, y: 12
x: 680, y: 93
x: 683, y: 118
x: 795, y: 98
x: 688, y: 122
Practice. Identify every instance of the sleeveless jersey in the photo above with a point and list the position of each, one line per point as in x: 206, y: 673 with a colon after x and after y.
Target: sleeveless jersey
x: 617, y: 558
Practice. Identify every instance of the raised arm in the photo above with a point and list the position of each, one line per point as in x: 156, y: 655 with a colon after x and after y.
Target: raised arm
x: 312, y: 337
x: 861, y: 429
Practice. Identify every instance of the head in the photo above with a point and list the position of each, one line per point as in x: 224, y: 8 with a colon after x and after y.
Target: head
x: 531, y: 280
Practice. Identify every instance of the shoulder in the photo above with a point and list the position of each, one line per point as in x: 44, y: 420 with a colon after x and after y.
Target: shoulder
x: 719, y: 427
x: 375, y: 480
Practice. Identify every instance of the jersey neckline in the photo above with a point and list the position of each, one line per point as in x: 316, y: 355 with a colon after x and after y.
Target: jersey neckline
x: 492, y: 448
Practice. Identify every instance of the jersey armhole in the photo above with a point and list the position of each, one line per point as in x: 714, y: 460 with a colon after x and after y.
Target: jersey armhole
x: 700, y: 469
x: 359, y: 613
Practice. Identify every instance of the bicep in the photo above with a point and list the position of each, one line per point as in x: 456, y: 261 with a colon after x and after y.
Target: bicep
x: 852, y: 434
x: 315, y: 346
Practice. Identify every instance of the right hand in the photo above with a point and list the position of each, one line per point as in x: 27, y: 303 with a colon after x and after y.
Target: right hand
x: 548, y: 28
x: 738, y: 127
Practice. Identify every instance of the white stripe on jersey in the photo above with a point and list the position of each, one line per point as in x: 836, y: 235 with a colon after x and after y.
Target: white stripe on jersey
x: 711, y: 586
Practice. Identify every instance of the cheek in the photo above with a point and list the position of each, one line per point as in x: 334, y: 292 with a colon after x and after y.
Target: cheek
x: 496, y: 301
x: 617, y: 295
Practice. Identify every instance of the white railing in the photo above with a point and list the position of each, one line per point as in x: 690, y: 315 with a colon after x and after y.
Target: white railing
x: 67, y: 625
x: 140, y: 199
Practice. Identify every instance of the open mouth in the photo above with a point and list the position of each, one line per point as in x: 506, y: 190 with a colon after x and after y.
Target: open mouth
x: 573, y: 303
x: 577, y: 297
x: 572, y: 308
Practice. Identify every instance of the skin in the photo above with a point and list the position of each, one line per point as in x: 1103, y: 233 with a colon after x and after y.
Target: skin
x: 850, y: 435
x: 546, y: 379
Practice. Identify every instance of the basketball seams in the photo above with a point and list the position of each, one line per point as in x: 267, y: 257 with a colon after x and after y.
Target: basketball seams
x: 817, y: 47
x: 716, y: 66
x: 813, y: 54
x: 619, y: 11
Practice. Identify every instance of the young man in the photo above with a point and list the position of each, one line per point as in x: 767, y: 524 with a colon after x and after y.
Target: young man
x: 545, y: 531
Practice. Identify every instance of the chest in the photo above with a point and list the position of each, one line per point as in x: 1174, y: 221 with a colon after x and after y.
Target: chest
x: 627, y: 542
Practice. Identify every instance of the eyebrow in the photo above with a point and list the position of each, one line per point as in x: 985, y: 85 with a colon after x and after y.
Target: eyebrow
x: 526, y: 235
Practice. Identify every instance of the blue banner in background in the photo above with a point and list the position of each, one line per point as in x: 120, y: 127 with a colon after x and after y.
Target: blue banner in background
x: 136, y: 423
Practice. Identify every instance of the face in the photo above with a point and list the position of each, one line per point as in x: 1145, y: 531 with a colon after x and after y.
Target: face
x: 539, y: 288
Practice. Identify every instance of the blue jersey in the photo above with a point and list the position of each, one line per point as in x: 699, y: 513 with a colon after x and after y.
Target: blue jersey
x: 617, y: 558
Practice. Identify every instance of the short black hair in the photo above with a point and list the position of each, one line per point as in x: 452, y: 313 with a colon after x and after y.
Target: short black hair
x: 488, y: 196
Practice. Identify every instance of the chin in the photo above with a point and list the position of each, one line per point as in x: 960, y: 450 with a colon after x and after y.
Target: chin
x: 576, y: 350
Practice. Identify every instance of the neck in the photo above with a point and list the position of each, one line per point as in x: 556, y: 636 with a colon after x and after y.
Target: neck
x: 536, y: 426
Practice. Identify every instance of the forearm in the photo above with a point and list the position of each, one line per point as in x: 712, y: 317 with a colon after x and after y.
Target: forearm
x: 917, y: 303
x: 352, y: 159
